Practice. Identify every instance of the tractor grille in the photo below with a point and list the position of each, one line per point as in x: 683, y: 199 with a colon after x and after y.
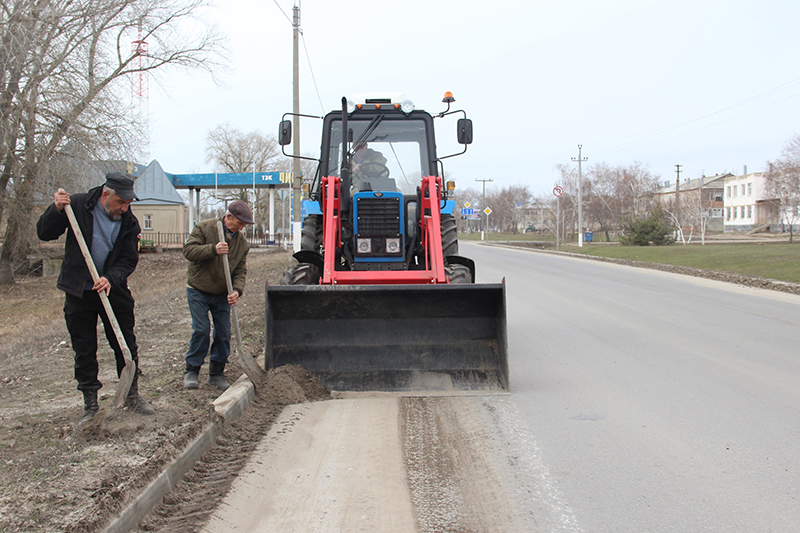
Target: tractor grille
x: 378, y: 216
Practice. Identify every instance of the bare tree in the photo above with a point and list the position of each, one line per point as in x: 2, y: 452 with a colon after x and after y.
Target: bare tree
x: 783, y: 183
x: 635, y: 183
x: 231, y: 150
x: 604, y: 208
x: 507, y: 205
x: 462, y: 197
x: 62, y: 64
x: 568, y: 202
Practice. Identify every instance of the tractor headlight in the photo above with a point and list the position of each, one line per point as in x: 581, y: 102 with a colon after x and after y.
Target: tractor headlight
x: 364, y: 246
x: 392, y: 245
x: 407, y: 106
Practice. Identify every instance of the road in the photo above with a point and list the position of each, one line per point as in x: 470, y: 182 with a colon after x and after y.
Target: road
x: 641, y: 401
x: 658, y: 402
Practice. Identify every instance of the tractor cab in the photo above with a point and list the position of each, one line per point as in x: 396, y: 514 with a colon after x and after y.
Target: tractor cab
x: 380, y: 298
x: 389, y: 146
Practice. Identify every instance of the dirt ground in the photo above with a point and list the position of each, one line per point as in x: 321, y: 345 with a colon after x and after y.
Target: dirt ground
x: 59, y: 479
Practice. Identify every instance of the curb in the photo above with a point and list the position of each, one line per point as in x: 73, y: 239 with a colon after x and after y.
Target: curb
x: 229, y: 406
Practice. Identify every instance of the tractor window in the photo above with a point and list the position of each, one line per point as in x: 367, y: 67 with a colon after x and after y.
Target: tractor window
x: 391, y: 156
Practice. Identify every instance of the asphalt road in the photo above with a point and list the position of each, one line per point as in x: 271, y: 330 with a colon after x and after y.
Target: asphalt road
x: 650, y: 401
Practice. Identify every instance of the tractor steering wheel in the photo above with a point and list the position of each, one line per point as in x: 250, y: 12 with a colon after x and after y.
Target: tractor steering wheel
x: 373, y: 169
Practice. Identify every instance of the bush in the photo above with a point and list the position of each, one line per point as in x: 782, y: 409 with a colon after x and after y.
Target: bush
x: 645, y: 231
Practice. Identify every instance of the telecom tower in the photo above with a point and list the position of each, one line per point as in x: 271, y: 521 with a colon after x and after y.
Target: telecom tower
x: 140, y: 91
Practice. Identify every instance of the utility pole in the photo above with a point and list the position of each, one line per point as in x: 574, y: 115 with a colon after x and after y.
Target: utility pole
x: 483, y: 206
x: 296, y: 179
x: 580, y: 195
x: 678, y: 198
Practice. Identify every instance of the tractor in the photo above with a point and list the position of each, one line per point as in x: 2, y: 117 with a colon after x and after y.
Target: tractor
x: 379, y: 298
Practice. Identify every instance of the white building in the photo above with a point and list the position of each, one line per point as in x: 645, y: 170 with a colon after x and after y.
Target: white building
x: 747, y: 206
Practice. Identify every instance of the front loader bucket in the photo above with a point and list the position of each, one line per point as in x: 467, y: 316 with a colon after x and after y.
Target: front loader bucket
x: 391, y: 337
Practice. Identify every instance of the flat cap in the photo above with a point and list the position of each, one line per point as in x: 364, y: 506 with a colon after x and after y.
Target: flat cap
x: 122, y: 184
x: 241, y: 210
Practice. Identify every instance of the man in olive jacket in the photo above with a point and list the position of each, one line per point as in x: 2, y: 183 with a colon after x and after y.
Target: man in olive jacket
x: 207, y: 290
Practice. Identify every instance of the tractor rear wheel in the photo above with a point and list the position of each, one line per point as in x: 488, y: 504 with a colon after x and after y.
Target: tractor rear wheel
x: 312, y: 233
x: 449, y: 235
x: 458, y: 274
x: 301, y: 274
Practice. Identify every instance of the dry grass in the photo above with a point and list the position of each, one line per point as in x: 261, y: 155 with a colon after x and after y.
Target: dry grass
x: 57, y: 479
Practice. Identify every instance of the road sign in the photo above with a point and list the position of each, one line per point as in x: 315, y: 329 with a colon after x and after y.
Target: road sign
x: 488, y: 211
x: 467, y: 204
x: 557, y: 190
x: 467, y: 211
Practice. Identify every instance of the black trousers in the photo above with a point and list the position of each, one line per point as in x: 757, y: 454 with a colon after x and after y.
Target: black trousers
x: 81, y: 317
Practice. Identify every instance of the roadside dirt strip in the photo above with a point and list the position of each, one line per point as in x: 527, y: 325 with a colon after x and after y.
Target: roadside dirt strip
x: 392, y: 463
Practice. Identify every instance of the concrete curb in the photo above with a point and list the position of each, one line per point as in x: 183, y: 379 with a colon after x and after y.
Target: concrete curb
x: 229, y: 405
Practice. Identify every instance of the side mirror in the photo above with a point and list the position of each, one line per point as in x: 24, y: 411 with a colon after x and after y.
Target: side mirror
x: 285, y: 133
x: 464, y: 128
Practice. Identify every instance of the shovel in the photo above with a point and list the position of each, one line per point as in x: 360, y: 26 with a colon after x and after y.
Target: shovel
x: 129, y: 371
x: 249, y: 365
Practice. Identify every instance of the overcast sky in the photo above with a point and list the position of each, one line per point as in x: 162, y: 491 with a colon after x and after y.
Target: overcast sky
x: 712, y: 85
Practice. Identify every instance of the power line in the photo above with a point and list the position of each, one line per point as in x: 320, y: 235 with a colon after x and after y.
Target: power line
x: 282, y: 11
x: 701, y: 127
x: 637, y: 139
x: 308, y: 57
x: 313, y: 78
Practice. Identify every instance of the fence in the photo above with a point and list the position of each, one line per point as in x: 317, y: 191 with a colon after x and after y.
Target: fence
x: 176, y: 240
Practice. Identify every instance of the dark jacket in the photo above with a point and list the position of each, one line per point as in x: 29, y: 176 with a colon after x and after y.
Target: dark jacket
x: 122, y: 259
x: 206, y: 271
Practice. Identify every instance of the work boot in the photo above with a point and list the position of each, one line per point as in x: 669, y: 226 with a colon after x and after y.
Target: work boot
x: 136, y: 403
x: 190, y: 376
x: 216, y: 375
x: 90, y: 406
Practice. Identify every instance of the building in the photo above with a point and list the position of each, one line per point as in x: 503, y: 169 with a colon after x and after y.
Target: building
x: 160, y: 209
x: 699, y: 197
x: 748, y: 206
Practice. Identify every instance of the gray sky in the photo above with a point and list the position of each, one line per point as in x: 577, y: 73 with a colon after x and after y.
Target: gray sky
x: 713, y: 85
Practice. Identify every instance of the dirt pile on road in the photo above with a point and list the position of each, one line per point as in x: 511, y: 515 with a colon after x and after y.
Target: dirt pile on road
x: 58, y: 479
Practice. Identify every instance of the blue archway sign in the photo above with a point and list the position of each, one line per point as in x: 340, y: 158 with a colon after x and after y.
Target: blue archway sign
x: 239, y: 180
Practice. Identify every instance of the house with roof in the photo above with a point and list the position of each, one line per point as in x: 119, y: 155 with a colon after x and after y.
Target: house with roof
x: 698, y: 197
x: 161, y: 210
x: 748, y: 205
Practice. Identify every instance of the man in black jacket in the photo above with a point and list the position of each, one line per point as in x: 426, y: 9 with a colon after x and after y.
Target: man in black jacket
x: 111, y: 232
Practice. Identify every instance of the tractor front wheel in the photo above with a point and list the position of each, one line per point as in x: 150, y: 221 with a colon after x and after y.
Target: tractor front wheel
x: 301, y: 274
x: 449, y: 235
x: 312, y: 233
x: 458, y: 274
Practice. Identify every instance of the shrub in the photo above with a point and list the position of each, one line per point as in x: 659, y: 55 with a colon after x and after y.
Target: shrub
x: 645, y: 231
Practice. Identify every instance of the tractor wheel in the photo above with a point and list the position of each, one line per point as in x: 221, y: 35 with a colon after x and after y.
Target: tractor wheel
x: 449, y: 235
x: 459, y: 274
x: 301, y: 274
x: 312, y: 233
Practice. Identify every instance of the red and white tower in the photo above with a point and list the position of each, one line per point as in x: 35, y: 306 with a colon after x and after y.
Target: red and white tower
x: 140, y: 92
x: 139, y: 84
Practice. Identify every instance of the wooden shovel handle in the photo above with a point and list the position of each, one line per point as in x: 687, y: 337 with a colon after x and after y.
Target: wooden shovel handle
x: 249, y: 365
x: 124, y: 384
